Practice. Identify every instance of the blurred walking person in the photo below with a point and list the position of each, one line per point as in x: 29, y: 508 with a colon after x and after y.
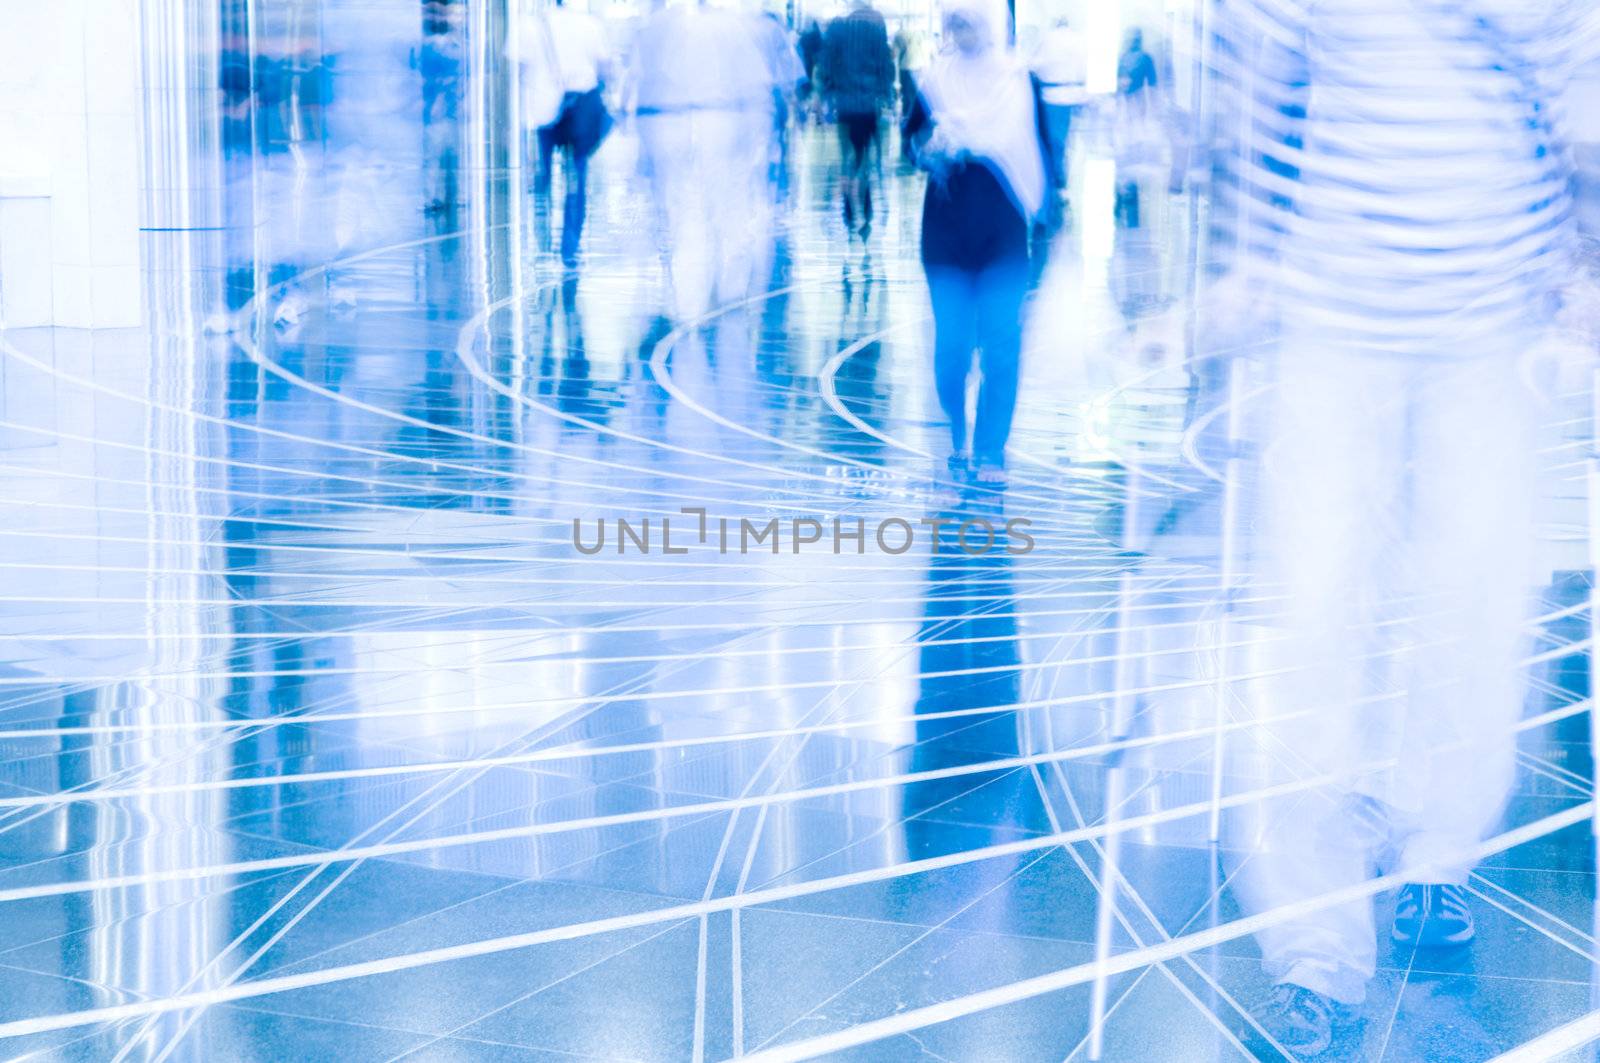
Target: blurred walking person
x: 787, y: 75
x: 856, y: 74
x: 977, y: 131
x: 1061, y: 68
x: 566, y: 60
x: 1408, y: 190
x: 810, y: 49
x: 911, y: 57
x: 1136, y: 69
x: 1140, y: 137
x: 702, y: 90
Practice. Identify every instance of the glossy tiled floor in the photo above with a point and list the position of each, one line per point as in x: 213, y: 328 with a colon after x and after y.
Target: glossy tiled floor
x: 321, y: 741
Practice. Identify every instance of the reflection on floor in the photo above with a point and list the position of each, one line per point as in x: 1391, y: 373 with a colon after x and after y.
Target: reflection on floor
x: 321, y: 740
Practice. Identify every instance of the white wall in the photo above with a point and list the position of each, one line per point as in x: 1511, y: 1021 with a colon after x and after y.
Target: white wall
x: 69, y: 130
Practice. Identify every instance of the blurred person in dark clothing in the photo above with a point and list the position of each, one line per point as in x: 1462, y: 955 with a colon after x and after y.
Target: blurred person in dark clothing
x: 273, y: 80
x: 911, y: 56
x: 1136, y: 70
x: 577, y: 48
x: 238, y: 94
x: 856, y: 75
x: 810, y: 50
x: 1140, y: 138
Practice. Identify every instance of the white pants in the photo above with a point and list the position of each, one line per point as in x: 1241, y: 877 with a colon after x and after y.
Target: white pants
x: 1395, y: 518
x: 709, y: 173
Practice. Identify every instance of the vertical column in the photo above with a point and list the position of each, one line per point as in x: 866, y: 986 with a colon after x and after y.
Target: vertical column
x: 493, y: 153
x: 491, y: 112
x: 181, y: 118
x: 181, y: 158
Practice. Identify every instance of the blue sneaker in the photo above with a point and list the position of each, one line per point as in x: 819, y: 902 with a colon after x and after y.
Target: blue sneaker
x: 1433, y: 917
x: 1302, y: 1020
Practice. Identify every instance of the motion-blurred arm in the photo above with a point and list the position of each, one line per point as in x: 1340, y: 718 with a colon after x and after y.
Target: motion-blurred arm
x: 1261, y: 83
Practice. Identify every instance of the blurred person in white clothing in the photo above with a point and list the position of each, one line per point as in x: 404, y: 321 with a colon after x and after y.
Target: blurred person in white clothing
x: 1061, y: 68
x: 702, y: 90
x: 1404, y: 171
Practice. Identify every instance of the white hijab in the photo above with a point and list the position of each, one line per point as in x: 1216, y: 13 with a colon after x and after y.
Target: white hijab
x: 983, y: 103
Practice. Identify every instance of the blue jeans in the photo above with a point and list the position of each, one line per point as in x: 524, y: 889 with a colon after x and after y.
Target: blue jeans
x: 982, y: 310
x: 583, y: 124
x: 1058, y: 127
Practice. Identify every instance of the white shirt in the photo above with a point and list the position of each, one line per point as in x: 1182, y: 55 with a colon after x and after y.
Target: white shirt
x: 579, y: 43
x: 700, y: 57
x: 1061, y: 67
x: 1428, y: 206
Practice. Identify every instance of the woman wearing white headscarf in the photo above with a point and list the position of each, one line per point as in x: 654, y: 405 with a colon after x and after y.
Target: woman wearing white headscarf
x: 977, y: 131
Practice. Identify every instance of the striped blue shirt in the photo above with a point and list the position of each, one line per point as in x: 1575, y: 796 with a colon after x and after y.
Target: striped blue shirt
x: 1402, y: 163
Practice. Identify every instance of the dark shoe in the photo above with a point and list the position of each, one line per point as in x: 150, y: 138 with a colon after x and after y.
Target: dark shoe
x: 1433, y: 917
x: 1302, y: 1020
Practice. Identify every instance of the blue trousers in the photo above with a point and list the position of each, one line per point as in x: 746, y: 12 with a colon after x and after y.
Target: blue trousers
x: 580, y: 129
x: 1058, y: 127
x: 978, y: 310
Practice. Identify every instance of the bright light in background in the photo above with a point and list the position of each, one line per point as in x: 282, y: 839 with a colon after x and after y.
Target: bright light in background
x: 1103, y: 43
x: 1098, y: 225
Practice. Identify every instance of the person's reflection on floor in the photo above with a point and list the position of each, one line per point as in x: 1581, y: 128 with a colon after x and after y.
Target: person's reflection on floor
x: 861, y: 381
x: 78, y: 832
x: 565, y: 372
x: 968, y: 660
